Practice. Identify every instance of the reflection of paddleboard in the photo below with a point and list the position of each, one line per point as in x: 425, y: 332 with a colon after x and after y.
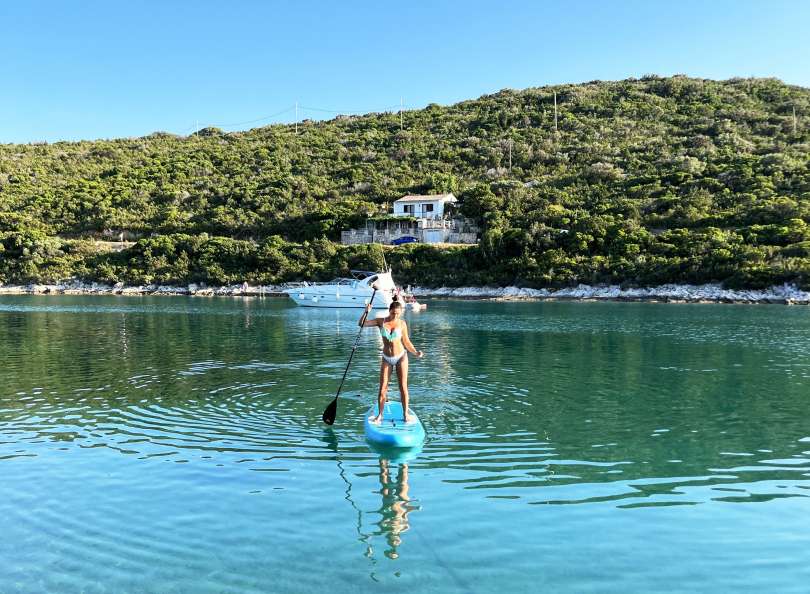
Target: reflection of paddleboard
x: 394, y: 454
x: 393, y: 431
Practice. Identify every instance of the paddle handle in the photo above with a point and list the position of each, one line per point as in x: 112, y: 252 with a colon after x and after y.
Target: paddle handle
x: 356, y: 341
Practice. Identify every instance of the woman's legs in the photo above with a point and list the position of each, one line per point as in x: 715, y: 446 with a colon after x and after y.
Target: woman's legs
x: 385, y: 374
x: 402, y: 379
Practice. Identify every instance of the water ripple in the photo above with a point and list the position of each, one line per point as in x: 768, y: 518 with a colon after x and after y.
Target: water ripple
x: 156, y: 445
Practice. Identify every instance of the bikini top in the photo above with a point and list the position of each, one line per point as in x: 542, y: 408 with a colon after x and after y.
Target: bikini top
x: 389, y: 335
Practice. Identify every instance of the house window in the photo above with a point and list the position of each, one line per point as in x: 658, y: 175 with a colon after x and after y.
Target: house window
x: 428, y: 208
x: 409, y: 209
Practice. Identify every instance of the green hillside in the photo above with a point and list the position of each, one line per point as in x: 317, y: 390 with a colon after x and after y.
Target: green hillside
x: 640, y: 182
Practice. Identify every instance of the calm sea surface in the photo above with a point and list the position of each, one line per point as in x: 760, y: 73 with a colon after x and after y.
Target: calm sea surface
x: 175, y: 445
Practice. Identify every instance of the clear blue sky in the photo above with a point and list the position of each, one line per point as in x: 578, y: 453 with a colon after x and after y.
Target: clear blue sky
x: 105, y: 69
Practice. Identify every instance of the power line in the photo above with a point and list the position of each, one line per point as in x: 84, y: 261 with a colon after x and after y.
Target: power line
x: 196, y: 126
x: 299, y: 108
x: 271, y: 116
x: 349, y: 111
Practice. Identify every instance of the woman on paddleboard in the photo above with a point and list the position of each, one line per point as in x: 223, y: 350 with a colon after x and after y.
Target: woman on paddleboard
x: 396, y: 346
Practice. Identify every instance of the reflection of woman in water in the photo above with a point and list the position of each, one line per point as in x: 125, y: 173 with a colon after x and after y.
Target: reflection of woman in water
x: 396, y: 504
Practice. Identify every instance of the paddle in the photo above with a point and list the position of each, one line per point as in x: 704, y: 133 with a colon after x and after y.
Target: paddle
x: 331, y: 411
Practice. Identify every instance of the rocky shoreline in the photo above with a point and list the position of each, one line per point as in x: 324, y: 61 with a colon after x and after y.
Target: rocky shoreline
x: 80, y: 288
x: 784, y: 294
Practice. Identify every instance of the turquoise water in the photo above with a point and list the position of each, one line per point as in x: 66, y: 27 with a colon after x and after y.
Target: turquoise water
x: 175, y: 445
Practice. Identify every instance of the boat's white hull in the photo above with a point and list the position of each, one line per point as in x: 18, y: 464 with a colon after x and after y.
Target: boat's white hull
x: 346, y: 292
x: 321, y: 298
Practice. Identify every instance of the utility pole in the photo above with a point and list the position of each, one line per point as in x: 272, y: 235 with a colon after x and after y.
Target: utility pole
x: 794, y: 119
x: 555, y: 111
x: 296, y: 117
x: 510, y: 155
x: 400, y: 113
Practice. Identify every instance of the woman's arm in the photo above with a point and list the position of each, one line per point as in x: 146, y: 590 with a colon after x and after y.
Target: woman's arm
x: 406, y: 342
x: 367, y: 322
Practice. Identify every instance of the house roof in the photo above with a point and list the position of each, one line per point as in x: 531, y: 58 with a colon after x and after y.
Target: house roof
x: 431, y: 198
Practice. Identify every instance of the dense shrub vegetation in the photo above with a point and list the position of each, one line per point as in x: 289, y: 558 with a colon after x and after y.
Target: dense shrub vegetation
x: 643, y: 182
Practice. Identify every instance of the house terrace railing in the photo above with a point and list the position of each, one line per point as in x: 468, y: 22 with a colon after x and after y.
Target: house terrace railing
x: 385, y: 231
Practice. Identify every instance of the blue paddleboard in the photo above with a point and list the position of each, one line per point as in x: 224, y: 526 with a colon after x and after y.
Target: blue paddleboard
x: 393, y: 432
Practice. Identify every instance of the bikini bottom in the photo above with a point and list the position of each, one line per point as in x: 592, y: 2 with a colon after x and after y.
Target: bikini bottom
x: 394, y: 361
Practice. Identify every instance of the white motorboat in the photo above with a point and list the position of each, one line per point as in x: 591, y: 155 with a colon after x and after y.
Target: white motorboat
x: 346, y: 292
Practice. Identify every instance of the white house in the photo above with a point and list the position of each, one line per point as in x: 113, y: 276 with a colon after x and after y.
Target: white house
x: 423, y: 219
x: 423, y: 207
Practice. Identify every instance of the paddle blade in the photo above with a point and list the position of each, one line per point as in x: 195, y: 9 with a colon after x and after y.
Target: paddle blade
x: 330, y: 413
